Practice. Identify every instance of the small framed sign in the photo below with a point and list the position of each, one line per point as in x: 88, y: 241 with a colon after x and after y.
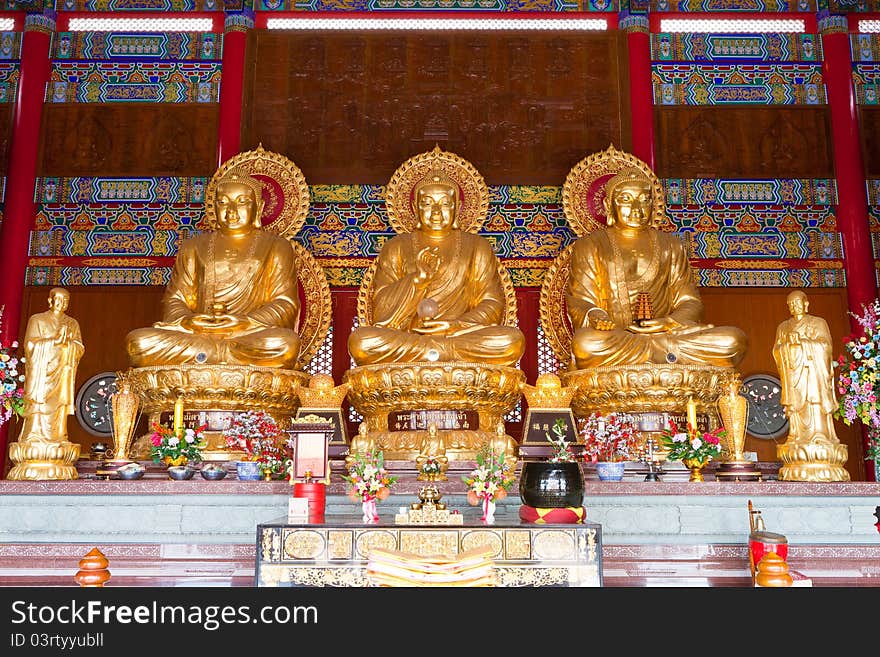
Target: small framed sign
x: 311, y: 454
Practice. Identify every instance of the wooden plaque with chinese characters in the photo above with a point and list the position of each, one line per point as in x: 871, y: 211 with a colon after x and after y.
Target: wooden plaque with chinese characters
x: 523, y: 107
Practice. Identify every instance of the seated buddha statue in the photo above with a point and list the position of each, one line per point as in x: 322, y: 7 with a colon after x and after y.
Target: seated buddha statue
x: 630, y: 293
x: 437, y: 293
x: 233, y: 296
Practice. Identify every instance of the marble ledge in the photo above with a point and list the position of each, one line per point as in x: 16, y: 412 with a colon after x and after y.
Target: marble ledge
x: 164, y: 486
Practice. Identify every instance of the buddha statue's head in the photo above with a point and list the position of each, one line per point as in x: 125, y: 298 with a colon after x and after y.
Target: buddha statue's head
x: 59, y: 299
x: 436, y: 202
x: 238, y: 203
x: 797, y: 303
x: 629, y: 200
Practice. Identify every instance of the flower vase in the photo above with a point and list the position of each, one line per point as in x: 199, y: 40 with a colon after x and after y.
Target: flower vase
x: 488, y: 510
x: 248, y: 470
x: 371, y: 511
x: 696, y: 467
x: 171, y: 461
x: 610, y: 470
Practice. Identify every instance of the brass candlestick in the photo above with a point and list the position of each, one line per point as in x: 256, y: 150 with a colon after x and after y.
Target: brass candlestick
x: 650, y: 458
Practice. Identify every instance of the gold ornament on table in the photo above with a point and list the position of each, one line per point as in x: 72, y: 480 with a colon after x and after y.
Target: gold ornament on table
x: 124, y: 405
x: 619, y: 307
x: 53, y: 347
x: 233, y: 336
x: 428, y: 510
x: 321, y: 397
x: 803, y: 351
x: 734, y: 410
x: 436, y: 315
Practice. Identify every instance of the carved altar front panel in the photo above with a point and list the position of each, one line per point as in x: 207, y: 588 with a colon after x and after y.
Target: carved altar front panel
x: 524, y: 107
x: 743, y: 142
x: 80, y: 139
x: 336, y: 553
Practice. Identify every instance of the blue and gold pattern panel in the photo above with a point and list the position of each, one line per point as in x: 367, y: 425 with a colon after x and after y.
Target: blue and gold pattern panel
x: 10, y: 71
x: 143, y: 5
x: 701, y: 6
x: 438, y: 5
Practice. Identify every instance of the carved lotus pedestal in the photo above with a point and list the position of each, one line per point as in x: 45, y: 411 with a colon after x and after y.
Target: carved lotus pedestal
x: 38, y: 461
x: 653, y: 393
x: 819, y: 460
x: 466, y: 401
x: 210, y: 393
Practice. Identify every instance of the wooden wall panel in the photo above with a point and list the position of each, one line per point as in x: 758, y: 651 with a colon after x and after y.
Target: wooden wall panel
x: 105, y: 316
x: 351, y: 107
x: 80, y: 139
x: 869, y: 122
x: 758, y: 312
x: 743, y: 142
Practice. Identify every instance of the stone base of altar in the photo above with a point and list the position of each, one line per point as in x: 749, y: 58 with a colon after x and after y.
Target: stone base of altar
x: 161, y: 532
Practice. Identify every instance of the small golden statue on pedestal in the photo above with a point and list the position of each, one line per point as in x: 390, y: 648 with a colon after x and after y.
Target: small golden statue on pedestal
x: 432, y: 462
x: 53, y: 347
x: 734, y: 410
x: 437, y: 337
x: 635, y: 341
x: 233, y: 337
x: 803, y: 351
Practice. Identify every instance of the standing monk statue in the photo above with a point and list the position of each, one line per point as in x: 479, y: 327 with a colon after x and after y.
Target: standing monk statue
x: 803, y: 352
x: 631, y: 297
x: 437, y: 294
x: 53, y: 347
x: 233, y: 296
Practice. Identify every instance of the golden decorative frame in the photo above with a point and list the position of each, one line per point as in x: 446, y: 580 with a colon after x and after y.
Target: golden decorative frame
x: 554, y: 319
x: 286, y: 202
x: 471, y: 186
x: 315, y: 321
x: 584, y: 188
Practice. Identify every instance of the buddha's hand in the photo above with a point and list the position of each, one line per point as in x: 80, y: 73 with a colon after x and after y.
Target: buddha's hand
x: 440, y: 327
x: 656, y: 325
x: 600, y: 320
x: 427, y: 265
x: 203, y: 323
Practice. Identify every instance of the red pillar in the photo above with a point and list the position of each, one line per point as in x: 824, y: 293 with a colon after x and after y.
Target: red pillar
x: 852, y: 208
x: 22, y: 171
x: 232, y: 85
x: 641, y: 89
x: 20, y: 209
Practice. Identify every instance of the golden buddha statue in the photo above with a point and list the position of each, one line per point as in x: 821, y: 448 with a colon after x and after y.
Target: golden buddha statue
x: 631, y: 266
x: 619, y: 306
x: 233, y: 335
x: 53, y: 347
x: 436, y: 339
x: 233, y: 297
x: 804, y: 354
x: 437, y: 293
x: 433, y: 448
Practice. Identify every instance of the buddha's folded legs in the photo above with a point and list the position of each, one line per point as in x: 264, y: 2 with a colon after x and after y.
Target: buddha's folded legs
x: 276, y: 347
x: 497, y: 345
x: 273, y: 347
x: 722, y: 346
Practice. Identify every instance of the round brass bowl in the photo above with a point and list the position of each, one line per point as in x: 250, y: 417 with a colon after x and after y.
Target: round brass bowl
x: 181, y: 472
x: 213, y: 472
x: 131, y: 471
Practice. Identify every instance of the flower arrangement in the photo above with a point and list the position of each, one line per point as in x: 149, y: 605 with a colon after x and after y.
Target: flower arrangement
x: 177, y: 448
x: 431, y: 466
x: 256, y: 433
x: 561, y: 448
x: 611, y: 437
x: 691, y: 444
x: 490, y: 480
x: 11, y: 381
x: 858, y: 378
x: 368, y: 477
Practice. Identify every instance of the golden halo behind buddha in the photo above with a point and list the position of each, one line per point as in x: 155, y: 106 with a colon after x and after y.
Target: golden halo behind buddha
x: 472, y: 189
x: 584, y: 188
x: 284, y: 190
